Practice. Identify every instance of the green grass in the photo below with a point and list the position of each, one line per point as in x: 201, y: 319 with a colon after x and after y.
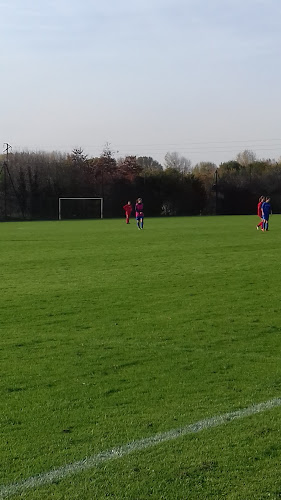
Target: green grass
x: 109, y: 335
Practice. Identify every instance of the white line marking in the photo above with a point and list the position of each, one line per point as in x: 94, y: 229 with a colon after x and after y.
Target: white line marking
x: 46, y: 478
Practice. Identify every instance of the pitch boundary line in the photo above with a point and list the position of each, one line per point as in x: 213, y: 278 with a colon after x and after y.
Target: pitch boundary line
x: 87, y: 463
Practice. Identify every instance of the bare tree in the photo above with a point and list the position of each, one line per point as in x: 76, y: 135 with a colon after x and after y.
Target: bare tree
x: 246, y: 157
x: 181, y: 163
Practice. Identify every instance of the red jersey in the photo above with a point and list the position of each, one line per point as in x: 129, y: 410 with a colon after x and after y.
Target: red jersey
x: 128, y: 208
x: 139, y: 209
x: 259, y: 209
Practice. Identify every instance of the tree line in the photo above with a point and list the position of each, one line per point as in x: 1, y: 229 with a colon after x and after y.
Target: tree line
x: 32, y: 182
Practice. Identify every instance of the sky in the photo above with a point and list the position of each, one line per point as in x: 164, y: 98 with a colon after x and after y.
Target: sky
x: 200, y: 77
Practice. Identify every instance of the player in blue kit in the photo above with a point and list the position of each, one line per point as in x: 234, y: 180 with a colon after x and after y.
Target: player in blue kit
x: 266, y: 211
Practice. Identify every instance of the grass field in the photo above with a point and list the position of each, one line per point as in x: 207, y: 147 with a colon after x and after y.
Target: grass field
x: 110, y: 335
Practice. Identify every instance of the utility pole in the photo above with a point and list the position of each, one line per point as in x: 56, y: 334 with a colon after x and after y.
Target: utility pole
x: 5, y: 168
x: 7, y: 173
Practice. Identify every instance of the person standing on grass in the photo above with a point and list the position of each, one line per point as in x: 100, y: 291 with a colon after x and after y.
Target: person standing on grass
x: 266, y: 211
x: 139, y: 213
x: 128, y: 210
x: 261, y: 200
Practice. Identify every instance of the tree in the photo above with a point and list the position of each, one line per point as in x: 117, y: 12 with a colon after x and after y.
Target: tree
x: 128, y: 167
x: 204, y: 168
x: 260, y: 166
x: 148, y: 163
x: 229, y: 167
x: 78, y: 157
x: 180, y: 163
x: 205, y: 172
x: 246, y: 157
x: 22, y: 191
x: 106, y: 169
x: 37, y: 179
x: 169, y: 192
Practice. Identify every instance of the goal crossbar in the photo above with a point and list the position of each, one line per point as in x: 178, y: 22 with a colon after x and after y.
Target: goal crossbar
x: 101, y: 204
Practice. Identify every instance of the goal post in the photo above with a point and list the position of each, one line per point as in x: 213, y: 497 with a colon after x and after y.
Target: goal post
x: 61, y: 200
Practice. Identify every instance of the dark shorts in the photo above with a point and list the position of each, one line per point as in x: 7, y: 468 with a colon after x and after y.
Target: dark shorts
x: 139, y: 216
x: 266, y: 216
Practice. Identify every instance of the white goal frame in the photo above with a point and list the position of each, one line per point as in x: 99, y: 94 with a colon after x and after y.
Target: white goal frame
x: 101, y: 204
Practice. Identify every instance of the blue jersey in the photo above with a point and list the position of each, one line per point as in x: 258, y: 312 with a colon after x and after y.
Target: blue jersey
x: 266, y: 209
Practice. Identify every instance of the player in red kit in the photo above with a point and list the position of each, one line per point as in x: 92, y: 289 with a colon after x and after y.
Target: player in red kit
x: 128, y: 210
x: 259, y: 212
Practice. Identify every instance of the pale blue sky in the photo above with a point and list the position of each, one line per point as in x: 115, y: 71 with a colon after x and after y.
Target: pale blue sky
x: 201, y: 77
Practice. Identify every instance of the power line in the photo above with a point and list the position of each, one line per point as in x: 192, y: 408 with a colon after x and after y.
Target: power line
x: 212, y: 150
x: 172, y: 144
x: 189, y: 148
x: 197, y: 142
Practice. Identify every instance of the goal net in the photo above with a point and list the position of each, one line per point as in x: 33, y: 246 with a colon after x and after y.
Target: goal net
x: 80, y: 208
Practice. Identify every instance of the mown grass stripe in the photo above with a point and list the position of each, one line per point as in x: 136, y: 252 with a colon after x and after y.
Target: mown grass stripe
x: 60, y: 473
